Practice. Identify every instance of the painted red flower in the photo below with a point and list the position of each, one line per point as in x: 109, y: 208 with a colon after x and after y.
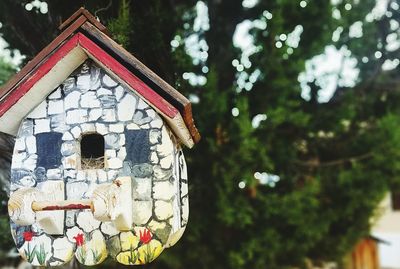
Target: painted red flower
x: 79, y: 239
x: 145, y: 237
x: 27, y: 236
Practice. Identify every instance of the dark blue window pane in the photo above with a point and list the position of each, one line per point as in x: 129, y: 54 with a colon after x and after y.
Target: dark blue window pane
x: 49, y: 150
x: 137, y: 146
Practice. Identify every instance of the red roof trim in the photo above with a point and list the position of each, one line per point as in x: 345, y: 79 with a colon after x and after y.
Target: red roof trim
x: 105, y: 59
x: 45, y: 67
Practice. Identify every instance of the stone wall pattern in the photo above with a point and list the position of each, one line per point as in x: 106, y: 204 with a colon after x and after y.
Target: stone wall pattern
x: 137, y: 144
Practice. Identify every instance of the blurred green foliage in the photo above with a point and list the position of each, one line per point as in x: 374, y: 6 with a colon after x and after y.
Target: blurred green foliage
x: 335, y: 160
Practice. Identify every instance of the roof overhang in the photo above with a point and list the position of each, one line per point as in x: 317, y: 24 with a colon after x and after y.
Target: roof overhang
x: 52, y: 71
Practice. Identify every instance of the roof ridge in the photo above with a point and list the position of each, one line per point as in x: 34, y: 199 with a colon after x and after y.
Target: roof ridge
x: 84, y: 12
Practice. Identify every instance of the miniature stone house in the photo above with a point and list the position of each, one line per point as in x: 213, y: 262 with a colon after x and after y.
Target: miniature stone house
x: 98, y: 168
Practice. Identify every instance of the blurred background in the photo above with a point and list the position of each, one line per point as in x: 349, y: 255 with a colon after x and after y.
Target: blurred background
x: 298, y: 104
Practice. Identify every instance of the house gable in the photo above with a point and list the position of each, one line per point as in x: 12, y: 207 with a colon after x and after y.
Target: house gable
x: 85, y: 31
x: 57, y: 68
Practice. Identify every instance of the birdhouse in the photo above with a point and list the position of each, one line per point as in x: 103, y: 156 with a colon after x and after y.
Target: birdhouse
x: 97, y: 167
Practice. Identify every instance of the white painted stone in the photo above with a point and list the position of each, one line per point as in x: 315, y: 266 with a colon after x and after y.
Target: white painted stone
x: 63, y: 249
x: 56, y: 107
x: 89, y: 99
x: 31, y: 144
x: 56, y: 94
x: 126, y: 107
x: 122, y: 140
x: 142, y: 211
x: 142, y: 188
x: 184, y: 189
x: 88, y: 128
x: 117, y: 128
x: 108, y: 228
x: 39, y: 111
x: 166, y: 147
x: 109, y: 115
x: 26, y: 128
x: 17, y: 160
x: 154, y: 158
x: 70, y: 162
x: 72, y: 100
x: 145, y: 126
x: 166, y: 162
x: 157, y: 123
x: 68, y: 148
x: 155, y: 137
x: 108, y: 81
x: 101, y: 128
x: 185, y: 210
x: 114, y: 163
x: 163, y: 190
x: 112, y: 174
x: 87, y: 222
x: 54, y: 174
x: 95, y: 74
x: 111, y: 141
x: 110, y: 153
x: 101, y: 175
x: 77, y: 116
x: 83, y: 82
x: 163, y: 210
x: 81, y: 175
x: 132, y: 126
x: 122, y: 153
x: 73, y: 232
x: 67, y: 136
x: 151, y: 113
x: 91, y: 175
x: 19, y: 144
x: 95, y: 114
x: 70, y: 173
x: 119, y: 92
x: 30, y: 162
x: 142, y: 104
x: 103, y: 91
x: 161, y: 174
x: 76, y: 131
x: 42, y: 126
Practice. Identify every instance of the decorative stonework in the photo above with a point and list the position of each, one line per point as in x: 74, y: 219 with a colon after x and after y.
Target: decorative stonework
x: 138, y: 144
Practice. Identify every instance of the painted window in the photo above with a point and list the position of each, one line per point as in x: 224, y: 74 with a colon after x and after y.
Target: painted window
x: 49, y: 150
x: 137, y: 146
x: 92, y: 151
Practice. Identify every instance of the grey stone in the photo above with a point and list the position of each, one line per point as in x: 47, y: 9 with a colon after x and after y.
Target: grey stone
x: 57, y: 123
x: 142, y: 170
x: 26, y: 129
x: 108, y: 101
x: 141, y: 118
x: 70, y: 218
x: 69, y: 85
x: 40, y: 174
x: 95, y: 77
x: 68, y: 148
x: 111, y: 141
